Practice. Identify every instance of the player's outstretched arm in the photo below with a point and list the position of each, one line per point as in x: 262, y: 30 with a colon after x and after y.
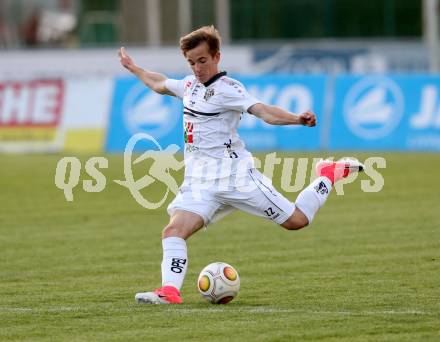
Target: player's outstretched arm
x: 274, y: 115
x: 152, y: 80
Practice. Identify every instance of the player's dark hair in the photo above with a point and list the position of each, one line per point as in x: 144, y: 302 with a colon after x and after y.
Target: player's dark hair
x: 207, y: 34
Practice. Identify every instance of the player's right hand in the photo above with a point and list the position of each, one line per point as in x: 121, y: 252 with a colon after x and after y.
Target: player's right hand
x: 125, y: 59
x: 308, y: 119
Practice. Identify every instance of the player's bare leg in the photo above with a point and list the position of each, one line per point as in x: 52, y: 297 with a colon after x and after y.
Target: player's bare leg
x: 296, y: 221
x: 182, y: 224
x: 314, y: 196
x: 175, y: 258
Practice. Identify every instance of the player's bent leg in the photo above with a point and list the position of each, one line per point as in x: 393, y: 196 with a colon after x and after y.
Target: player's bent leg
x: 296, y: 221
x: 314, y: 196
x: 182, y: 224
x: 175, y: 258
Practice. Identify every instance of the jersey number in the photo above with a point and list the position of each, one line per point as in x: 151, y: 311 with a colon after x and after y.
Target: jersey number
x: 269, y: 211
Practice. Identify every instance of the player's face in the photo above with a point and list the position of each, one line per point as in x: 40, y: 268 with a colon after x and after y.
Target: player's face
x: 202, y: 63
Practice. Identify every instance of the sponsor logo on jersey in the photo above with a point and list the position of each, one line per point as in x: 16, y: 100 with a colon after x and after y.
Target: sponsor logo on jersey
x: 229, y: 150
x: 188, y: 133
x: 191, y: 148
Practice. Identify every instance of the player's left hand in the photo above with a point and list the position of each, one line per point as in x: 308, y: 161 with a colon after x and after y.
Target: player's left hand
x: 125, y: 59
x: 308, y: 119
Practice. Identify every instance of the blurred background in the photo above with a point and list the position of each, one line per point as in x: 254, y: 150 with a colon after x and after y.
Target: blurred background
x: 368, y: 68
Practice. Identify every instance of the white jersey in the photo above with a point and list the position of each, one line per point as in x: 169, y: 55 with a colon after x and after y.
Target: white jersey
x: 212, y: 112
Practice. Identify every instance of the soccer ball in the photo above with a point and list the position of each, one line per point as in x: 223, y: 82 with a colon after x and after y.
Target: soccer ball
x: 218, y: 283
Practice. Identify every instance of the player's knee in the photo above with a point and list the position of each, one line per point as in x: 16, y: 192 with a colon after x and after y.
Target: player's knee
x: 296, y: 222
x: 182, y: 229
x: 293, y: 225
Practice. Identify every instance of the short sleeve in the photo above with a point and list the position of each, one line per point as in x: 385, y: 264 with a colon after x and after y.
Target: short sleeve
x: 235, y: 97
x: 175, y: 86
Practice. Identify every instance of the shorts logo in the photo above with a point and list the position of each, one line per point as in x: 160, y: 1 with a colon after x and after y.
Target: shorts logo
x: 321, y: 188
x: 177, y: 265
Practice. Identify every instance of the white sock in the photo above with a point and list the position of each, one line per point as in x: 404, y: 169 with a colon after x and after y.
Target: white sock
x: 174, y: 262
x: 313, y: 197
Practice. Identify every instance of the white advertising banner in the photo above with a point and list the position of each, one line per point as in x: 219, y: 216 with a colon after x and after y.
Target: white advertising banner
x: 51, y: 115
x: 31, y: 114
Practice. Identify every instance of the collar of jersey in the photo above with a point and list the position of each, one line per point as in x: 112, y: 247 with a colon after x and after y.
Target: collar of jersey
x: 214, y: 78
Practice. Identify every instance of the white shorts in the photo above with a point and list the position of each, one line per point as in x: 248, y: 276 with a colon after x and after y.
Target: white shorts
x: 252, y: 193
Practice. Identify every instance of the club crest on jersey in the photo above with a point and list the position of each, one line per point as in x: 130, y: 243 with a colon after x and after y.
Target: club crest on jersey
x: 209, y: 93
x: 321, y: 188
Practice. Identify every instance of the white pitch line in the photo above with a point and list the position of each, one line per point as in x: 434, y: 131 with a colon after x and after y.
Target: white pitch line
x: 285, y: 310
x: 256, y: 310
x: 41, y: 310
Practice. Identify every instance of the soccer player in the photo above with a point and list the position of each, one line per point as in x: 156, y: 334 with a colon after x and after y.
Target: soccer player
x: 213, y: 104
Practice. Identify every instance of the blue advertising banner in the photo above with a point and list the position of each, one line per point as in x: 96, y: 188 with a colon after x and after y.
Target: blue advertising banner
x: 386, y: 113
x: 136, y: 109
x: 294, y: 93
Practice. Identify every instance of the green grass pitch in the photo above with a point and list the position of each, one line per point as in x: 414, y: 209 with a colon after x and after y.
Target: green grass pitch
x: 367, y: 269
